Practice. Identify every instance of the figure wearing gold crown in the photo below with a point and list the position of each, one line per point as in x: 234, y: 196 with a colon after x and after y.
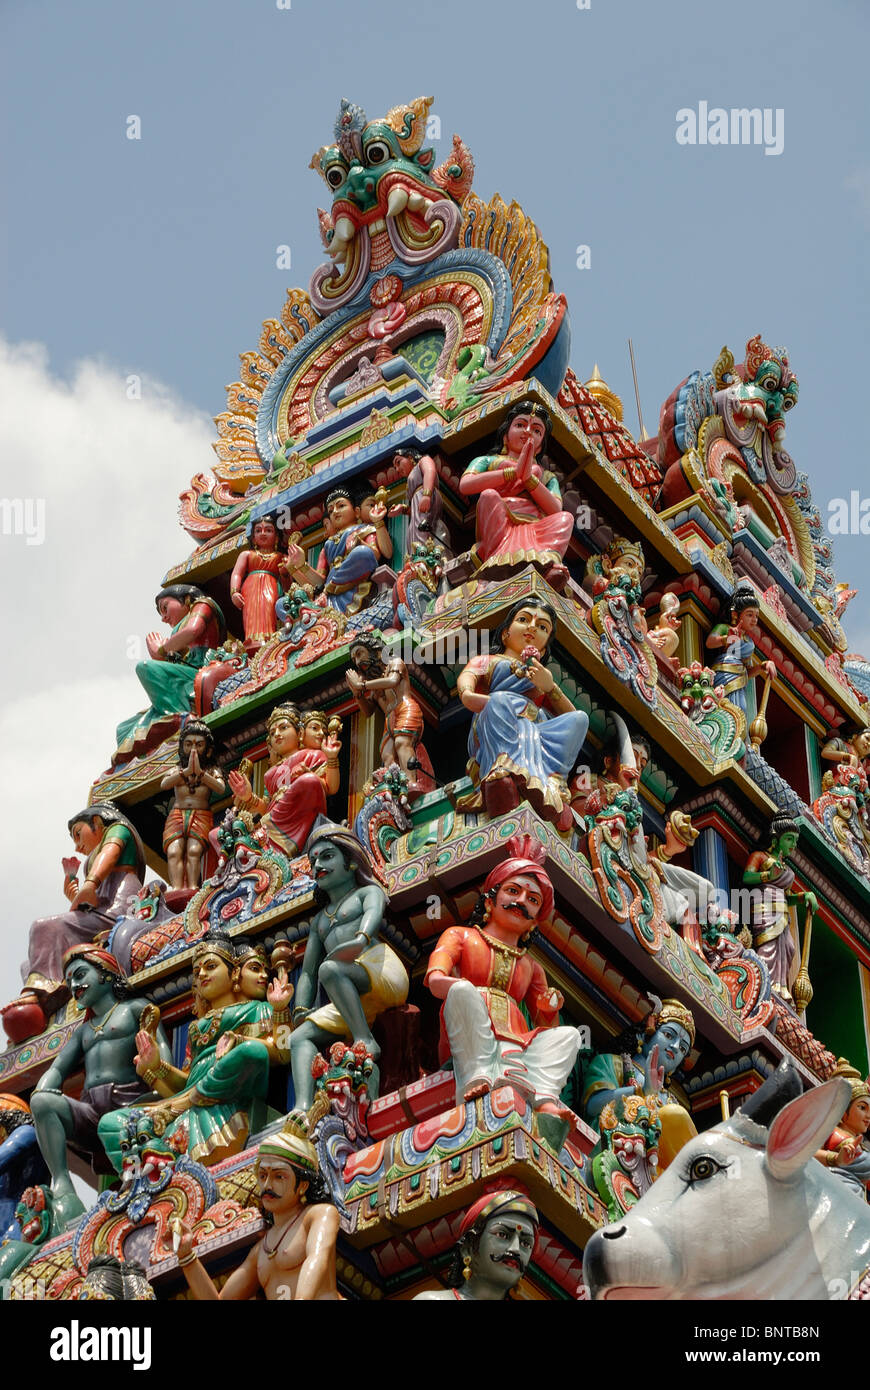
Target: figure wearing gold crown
x: 845, y: 1150
x: 617, y: 615
x: 646, y: 1070
x: 295, y: 1260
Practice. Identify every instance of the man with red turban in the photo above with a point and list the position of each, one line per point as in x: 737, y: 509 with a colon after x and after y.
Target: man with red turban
x: 483, y: 973
x: 496, y: 1243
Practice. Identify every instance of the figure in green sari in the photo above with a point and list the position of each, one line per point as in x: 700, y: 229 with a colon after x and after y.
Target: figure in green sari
x: 216, y: 1102
x: 197, y: 625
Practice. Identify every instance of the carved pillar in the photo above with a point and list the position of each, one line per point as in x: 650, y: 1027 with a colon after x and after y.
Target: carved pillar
x: 710, y: 860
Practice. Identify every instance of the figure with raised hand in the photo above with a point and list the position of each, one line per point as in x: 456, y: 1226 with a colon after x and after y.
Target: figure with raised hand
x: 348, y: 558
x: 360, y: 973
x: 774, y: 881
x: 214, y: 1102
x: 297, y: 781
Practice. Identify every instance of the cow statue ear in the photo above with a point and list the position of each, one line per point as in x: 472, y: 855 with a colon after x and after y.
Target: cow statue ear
x: 803, y: 1125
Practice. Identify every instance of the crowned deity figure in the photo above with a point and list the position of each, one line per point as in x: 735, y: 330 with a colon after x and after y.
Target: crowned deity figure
x: 520, y: 520
x: 104, y: 1047
x: 774, y: 881
x: 114, y: 870
x: 361, y: 975
x: 485, y: 975
x: 194, y: 781
x: 496, y: 1243
x: 295, y: 1260
x: 255, y: 583
x: 386, y: 686
x: 298, y: 780
x: 644, y: 1069
x: 525, y: 734
x: 348, y: 559
x: 736, y: 639
x: 197, y: 627
x: 210, y: 1105
x: 845, y: 1150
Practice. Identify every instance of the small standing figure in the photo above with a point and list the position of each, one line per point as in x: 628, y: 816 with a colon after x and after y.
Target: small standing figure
x: 347, y: 560
x: 520, y: 520
x: 387, y: 687
x: 295, y: 1260
x: 484, y: 974
x: 526, y: 734
x: 104, y: 1046
x: 425, y: 507
x: 734, y: 668
x: 361, y: 975
x: 255, y: 584
x: 186, y: 832
x: 114, y: 870
x: 845, y: 1150
x: 665, y: 636
x: 169, y: 676
x: 771, y: 932
x: 496, y: 1244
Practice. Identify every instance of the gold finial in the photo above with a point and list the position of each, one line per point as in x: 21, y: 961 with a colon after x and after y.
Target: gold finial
x: 597, y: 387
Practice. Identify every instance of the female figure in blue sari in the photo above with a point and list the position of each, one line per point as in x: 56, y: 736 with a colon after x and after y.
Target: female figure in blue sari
x: 526, y: 734
x: 348, y: 558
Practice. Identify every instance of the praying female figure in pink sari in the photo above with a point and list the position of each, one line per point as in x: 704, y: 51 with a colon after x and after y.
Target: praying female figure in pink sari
x: 255, y: 585
x: 520, y: 520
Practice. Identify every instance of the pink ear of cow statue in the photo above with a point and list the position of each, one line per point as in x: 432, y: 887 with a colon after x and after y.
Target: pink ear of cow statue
x: 776, y: 1223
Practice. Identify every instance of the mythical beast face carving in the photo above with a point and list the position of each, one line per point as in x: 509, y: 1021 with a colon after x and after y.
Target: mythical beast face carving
x: 388, y: 201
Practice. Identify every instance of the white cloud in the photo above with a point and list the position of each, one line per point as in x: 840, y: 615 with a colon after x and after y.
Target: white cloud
x: 109, y: 471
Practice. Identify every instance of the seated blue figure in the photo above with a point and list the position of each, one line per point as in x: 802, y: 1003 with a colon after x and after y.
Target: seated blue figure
x: 348, y: 559
x: 21, y: 1163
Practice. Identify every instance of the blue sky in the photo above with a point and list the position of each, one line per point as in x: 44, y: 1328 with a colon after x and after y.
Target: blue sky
x: 158, y: 256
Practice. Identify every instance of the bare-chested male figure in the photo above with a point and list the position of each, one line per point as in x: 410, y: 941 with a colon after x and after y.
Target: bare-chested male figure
x: 185, y: 834
x: 296, y: 1257
x: 387, y: 687
x: 360, y: 973
x: 105, y: 1046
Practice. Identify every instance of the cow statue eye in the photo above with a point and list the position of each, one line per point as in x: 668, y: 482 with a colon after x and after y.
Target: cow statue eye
x: 702, y: 1168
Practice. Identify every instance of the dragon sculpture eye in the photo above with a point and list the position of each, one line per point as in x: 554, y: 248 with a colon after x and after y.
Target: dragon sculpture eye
x: 378, y: 152
x: 336, y: 175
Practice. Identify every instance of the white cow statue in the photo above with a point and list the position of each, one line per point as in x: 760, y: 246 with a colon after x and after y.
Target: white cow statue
x: 744, y: 1211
